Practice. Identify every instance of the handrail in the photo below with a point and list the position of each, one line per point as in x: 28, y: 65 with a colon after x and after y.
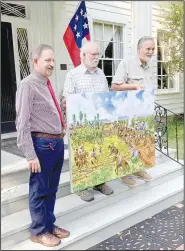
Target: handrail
x: 161, y: 121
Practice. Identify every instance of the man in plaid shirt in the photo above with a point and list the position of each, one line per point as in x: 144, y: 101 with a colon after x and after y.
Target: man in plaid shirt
x: 87, y: 77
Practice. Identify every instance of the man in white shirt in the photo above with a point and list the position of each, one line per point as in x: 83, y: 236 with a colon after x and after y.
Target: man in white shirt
x: 87, y: 77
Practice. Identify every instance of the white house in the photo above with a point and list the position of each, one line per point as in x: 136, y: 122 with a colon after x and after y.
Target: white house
x: 27, y: 23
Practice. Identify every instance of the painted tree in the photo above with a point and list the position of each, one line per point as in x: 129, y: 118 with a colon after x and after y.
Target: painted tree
x: 74, y: 119
x: 173, y: 36
x: 98, y: 118
x: 85, y: 118
x: 80, y: 116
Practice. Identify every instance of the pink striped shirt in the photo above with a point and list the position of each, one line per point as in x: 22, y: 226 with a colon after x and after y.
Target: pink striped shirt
x: 35, y: 112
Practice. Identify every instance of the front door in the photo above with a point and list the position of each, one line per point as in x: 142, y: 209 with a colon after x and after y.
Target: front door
x: 8, y: 79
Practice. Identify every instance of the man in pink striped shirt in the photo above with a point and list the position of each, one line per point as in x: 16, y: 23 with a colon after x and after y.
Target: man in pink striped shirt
x: 40, y: 131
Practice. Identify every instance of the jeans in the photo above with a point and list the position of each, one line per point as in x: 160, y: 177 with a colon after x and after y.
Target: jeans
x: 43, y: 186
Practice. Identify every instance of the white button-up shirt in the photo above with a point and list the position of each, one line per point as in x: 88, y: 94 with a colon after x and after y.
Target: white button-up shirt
x: 80, y: 79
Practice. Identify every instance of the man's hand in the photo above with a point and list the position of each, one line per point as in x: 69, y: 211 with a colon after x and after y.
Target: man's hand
x: 139, y: 86
x: 64, y: 132
x: 34, y: 165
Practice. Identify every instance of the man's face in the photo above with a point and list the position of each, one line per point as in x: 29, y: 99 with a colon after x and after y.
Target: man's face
x: 45, y: 63
x: 91, y: 58
x: 146, y: 51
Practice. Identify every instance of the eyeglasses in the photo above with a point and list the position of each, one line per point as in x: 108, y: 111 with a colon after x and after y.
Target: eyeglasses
x: 94, y: 54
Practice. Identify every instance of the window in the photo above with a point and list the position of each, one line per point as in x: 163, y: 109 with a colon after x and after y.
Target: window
x: 111, y: 40
x: 165, y: 79
x: 13, y: 10
x: 22, y: 41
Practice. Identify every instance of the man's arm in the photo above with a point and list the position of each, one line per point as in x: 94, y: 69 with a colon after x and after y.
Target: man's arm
x: 24, y: 103
x: 126, y: 87
x: 119, y: 82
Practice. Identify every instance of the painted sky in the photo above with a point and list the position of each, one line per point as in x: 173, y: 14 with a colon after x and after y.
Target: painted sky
x: 111, y: 105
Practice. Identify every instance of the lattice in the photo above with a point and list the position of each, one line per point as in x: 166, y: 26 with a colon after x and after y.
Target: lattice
x: 23, y: 50
x: 13, y: 9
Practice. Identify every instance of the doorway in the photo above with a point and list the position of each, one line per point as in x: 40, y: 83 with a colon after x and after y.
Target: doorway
x: 8, y: 80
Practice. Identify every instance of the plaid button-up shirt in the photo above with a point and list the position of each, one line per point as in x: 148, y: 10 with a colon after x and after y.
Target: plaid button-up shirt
x: 35, y: 112
x: 80, y: 79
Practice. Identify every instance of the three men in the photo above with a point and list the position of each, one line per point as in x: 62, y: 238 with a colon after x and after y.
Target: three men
x: 40, y: 130
x: 87, y: 77
x: 136, y: 74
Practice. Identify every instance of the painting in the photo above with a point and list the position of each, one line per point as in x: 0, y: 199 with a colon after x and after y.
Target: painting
x: 111, y: 134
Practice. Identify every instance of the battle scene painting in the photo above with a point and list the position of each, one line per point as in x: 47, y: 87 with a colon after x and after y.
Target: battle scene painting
x: 111, y: 134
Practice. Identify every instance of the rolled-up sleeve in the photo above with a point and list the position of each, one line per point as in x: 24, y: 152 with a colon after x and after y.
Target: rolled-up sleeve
x: 24, y: 105
x: 120, y: 76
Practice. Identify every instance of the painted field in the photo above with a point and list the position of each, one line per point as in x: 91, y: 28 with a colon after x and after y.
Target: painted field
x: 105, y: 143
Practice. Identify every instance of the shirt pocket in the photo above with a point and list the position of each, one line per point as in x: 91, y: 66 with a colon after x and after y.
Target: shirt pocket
x: 135, y: 79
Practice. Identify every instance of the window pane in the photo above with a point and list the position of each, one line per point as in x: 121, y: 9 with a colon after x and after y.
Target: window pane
x: 108, y: 67
x: 159, y: 82
x: 164, y: 69
x: 159, y: 53
x: 166, y: 53
x: 165, y: 82
x: 108, y: 50
x: 171, y: 82
x: 115, y: 65
x: 159, y: 70
x: 109, y: 80
x: 98, y: 31
x: 118, y: 34
x: 117, y: 50
x: 100, y: 64
x: 101, y: 48
x: 108, y: 32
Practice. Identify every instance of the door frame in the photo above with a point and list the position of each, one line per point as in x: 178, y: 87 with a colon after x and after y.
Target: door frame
x: 17, y: 23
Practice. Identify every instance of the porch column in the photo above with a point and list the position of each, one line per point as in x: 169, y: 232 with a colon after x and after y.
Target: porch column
x: 141, y: 21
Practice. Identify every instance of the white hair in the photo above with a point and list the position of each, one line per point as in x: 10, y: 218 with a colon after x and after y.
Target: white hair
x: 86, y: 46
x: 143, y: 39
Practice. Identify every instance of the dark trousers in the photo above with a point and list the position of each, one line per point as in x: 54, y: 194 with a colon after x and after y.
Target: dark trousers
x: 44, y: 185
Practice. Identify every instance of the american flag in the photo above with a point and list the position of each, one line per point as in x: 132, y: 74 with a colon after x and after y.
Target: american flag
x: 77, y: 30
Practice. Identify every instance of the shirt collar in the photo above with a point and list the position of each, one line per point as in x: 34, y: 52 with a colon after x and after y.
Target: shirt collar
x: 145, y: 65
x: 85, y: 70
x: 40, y: 78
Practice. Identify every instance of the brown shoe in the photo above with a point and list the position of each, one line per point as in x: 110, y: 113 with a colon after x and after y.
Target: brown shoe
x: 47, y: 239
x: 103, y: 188
x: 129, y: 181
x: 60, y: 232
x: 143, y: 175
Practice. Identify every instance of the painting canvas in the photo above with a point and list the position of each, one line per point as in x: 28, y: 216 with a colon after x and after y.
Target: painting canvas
x: 111, y: 134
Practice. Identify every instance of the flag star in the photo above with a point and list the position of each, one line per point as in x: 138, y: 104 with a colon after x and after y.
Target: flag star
x: 78, y: 34
x: 75, y: 27
x: 85, y: 15
x: 76, y: 17
x: 81, y: 12
x: 85, y: 26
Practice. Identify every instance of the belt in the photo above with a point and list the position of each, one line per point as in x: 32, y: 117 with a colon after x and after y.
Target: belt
x: 47, y: 135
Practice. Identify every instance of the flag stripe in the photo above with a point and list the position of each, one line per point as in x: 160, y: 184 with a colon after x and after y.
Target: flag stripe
x: 72, y: 47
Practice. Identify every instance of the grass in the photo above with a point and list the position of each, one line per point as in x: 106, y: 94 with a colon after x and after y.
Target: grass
x: 104, y: 168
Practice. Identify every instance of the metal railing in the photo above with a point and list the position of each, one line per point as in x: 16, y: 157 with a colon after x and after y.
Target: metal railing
x: 169, y: 133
